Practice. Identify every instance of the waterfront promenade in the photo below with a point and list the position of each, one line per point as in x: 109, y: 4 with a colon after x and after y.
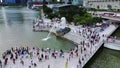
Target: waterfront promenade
x: 76, y: 38
x: 85, y: 51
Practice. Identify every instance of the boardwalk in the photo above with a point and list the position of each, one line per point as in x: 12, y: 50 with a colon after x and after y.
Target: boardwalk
x: 108, y: 31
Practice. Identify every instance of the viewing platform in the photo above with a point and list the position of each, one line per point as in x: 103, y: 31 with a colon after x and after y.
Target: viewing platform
x: 76, y: 39
x: 86, y: 46
x: 86, y: 51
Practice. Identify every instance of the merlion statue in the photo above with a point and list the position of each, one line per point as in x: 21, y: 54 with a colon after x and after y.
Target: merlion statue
x: 63, y: 21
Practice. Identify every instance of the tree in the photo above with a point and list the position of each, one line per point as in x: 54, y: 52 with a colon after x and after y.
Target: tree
x: 76, y: 19
x: 82, y: 11
x: 98, y: 7
x: 47, y: 10
x: 53, y: 15
x: 69, y: 12
x: 86, y: 19
x: 97, y: 19
x: 83, y: 19
x: 109, y: 7
x: 72, y: 14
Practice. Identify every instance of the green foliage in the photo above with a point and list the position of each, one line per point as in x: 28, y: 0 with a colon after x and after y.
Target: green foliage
x: 109, y: 7
x: 97, y: 19
x: 86, y: 19
x: 76, y: 19
x: 82, y: 11
x: 118, y: 10
x: 52, y: 15
x: 47, y: 10
x: 101, y: 10
x: 93, y: 9
x: 72, y: 14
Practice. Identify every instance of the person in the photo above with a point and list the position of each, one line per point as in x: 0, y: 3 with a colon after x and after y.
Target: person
x: 48, y: 66
x: 29, y: 66
x: 71, y: 54
x: 13, y: 60
x: 79, y: 62
x: 42, y: 56
x: 66, y: 64
x: 61, y: 53
x: 22, y: 62
x: 35, y: 64
x: 0, y: 64
x: 31, y: 55
x: 40, y: 59
x: 6, y: 60
x: 11, y: 56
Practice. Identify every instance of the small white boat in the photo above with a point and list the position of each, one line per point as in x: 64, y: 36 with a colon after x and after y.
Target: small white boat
x: 114, y: 45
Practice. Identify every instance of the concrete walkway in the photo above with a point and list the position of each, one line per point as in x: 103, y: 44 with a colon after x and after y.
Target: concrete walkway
x: 54, y: 63
x: 73, y: 62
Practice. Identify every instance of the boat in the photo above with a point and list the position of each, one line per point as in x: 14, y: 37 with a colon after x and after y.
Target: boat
x: 113, y: 45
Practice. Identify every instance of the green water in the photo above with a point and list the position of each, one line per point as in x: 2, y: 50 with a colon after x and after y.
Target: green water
x: 106, y: 58
x: 16, y: 30
x: 117, y: 33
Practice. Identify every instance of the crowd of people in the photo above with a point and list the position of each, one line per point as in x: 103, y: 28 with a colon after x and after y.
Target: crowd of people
x: 85, y: 49
x: 34, y: 56
x: 47, y: 25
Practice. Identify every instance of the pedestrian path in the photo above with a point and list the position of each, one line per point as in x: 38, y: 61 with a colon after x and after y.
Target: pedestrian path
x: 73, y: 37
x: 84, y: 49
x: 92, y: 49
x: 59, y: 62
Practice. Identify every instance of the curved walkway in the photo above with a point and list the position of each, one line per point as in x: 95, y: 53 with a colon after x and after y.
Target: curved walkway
x: 85, y: 50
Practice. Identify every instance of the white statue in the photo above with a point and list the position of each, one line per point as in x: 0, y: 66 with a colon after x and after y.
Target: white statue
x: 63, y: 22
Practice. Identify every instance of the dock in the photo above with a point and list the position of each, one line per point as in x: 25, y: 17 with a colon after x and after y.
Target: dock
x: 85, y: 52
x: 90, y: 51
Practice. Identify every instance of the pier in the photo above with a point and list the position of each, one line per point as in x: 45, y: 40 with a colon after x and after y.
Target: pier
x: 76, y: 58
x: 91, y: 49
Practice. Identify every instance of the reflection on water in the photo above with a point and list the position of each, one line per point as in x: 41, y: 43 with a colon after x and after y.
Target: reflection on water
x: 16, y: 30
